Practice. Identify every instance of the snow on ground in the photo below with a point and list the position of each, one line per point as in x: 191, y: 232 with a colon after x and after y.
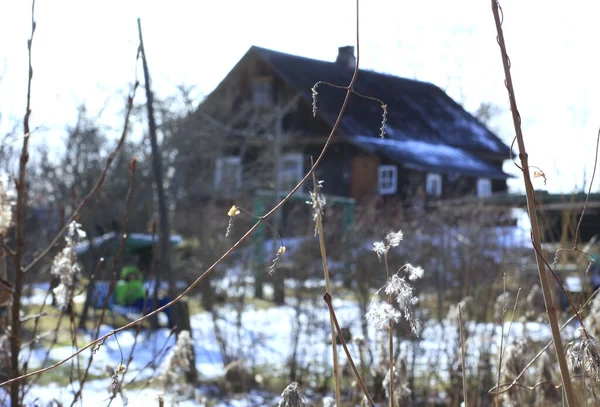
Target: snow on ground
x: 265, y: 339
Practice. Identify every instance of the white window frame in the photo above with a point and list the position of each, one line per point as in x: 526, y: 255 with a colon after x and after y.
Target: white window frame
x: 296, y: 174
x: 431, y: 181
x: 387, y: 179
x: 229, y: 160
x: 262, y: 91
x: 484, y: 187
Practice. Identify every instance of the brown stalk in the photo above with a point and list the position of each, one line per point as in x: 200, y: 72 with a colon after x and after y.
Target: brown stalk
x: 15, y: 345
x: 327, y: 298
x: 501, y: 349
x: 391, y: 334
x: 529, y: 191
x: 462, y: 354
x: 319, y: 223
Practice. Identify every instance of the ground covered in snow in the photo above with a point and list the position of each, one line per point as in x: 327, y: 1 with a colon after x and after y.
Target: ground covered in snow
x: 264, y: 341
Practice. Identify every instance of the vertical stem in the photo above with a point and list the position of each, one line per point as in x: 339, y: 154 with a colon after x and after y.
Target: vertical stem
x: 535, y: 231
x: 15, y: 342
x: 319, y: 221
x: 501, y: 348
x: 391, y: 332
x: 462, y: 353
x: 361, y: 383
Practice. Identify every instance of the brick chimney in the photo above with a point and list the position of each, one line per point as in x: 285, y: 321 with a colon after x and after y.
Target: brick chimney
x: 346, y: 57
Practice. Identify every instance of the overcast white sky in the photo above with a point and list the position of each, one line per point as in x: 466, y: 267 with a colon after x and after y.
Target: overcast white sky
x: 84, y: 51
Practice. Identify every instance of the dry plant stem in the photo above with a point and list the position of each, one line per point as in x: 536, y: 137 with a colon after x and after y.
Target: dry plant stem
x: 562, y: 287
x: 550, y: 310
x: 512, y: 318
x: 391, y: 334
x: 132, y: 166
x: 328, y: 301
x: 538, y: 384
x: 15, y: 342
x: 236, y: 244
x: 95, y: 188
x: 508, y: 386
x: 587, y: 198
x: 319, y: 221
x: 462, y: 353
x: 500, y: 349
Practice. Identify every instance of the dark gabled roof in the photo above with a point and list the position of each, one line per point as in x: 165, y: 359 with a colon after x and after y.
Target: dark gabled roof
x: 417, y: 111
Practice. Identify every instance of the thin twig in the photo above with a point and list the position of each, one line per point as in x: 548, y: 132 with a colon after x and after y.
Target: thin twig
x: 327, y: 298
x: 497, y: 401
x: 83, y: 380
x: 550, y: 309
x: 235, y: 245
x: 512, y: 318
x: 562, y: 287
x: 495, y: 390
x: 462, y: 353
x: 587, y: 198
x: 5, y: 247
x: 97, y: 185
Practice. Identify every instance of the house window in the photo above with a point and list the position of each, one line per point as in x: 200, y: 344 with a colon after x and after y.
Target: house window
x: 291, y: 171
x: 262, y: 91
x: 387, y: 179
x: 433, y: 184
x: 228, y: 174
x: 484, y: 187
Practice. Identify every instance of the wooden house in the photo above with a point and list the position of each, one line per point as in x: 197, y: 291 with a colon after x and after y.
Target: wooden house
x: 257, y: 131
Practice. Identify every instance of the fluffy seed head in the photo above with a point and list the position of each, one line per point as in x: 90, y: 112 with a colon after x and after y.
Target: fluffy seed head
x: 291, y: 397
x: 394, y: 238
x: 380, y: 249
x: 585, y: 354
x: 381, y: 313
x: 6, y: 204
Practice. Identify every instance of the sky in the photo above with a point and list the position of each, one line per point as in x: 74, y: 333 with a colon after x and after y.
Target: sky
x: 84, y: 52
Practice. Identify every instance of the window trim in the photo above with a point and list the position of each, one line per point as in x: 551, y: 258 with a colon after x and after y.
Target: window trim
x: 230, y: 159
x: 393, y: 188
x: 431, y: 176
x: 481, y: 193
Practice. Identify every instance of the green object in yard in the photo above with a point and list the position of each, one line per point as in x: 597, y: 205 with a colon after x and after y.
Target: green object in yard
x: 127, y: 290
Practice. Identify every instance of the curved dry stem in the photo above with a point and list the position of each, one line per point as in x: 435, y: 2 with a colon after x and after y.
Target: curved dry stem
x: 328, y: 301
x: 560, y: 284
x: 231, y: 249
x: 587, y: 198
